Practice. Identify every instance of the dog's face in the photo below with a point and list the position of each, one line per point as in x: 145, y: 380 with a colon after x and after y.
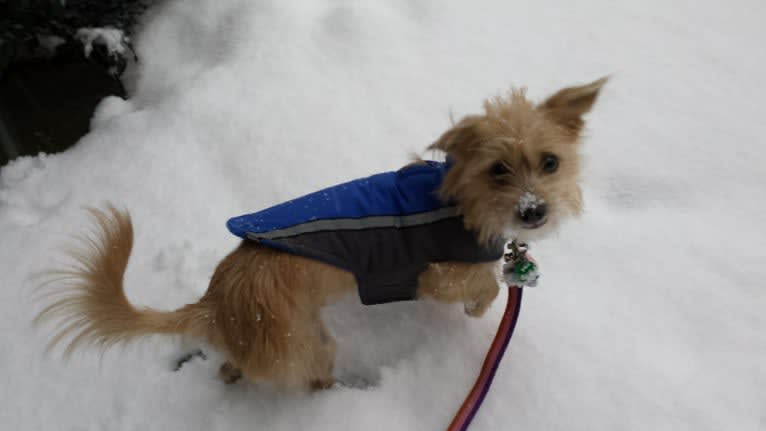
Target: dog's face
x: 515, y: 171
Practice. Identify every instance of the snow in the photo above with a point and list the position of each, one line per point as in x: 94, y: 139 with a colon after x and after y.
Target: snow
x: 529, y: 200
x: 650, y: 311
x: 113, y: 39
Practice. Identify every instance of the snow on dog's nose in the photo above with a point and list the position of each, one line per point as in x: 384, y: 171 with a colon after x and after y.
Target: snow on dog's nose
x: 531, y: 210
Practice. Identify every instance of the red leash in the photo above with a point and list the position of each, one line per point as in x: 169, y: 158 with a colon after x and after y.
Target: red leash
x: 474, y: 399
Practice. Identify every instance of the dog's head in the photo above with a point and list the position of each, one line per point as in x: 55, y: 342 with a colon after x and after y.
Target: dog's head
x: 515, y: 169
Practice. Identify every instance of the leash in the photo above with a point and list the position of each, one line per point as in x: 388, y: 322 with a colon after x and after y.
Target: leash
x: 479, y: 391
x: 524, y: 270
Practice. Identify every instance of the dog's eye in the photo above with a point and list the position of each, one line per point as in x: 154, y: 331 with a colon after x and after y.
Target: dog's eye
x: 550, y: 163
x: 498, y: 170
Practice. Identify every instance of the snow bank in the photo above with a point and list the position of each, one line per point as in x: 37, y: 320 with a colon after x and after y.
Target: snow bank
x: 650, y: 312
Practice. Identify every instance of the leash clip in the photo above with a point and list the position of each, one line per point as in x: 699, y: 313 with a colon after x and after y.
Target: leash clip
x: 516, y: 251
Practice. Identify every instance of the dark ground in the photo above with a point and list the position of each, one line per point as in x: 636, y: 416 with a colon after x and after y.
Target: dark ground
x: 46, y: 107
x: 48, y: 97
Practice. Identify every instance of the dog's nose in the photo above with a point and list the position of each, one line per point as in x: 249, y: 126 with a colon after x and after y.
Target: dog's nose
x: 533, y: 215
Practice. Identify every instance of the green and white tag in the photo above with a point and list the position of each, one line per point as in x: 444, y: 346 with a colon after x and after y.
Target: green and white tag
x: 520, y: 269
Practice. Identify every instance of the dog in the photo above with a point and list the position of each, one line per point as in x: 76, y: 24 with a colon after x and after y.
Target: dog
x: 511, y: 172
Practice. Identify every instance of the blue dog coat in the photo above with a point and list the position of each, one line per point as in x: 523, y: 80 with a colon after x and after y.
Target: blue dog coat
x: 384, y: 229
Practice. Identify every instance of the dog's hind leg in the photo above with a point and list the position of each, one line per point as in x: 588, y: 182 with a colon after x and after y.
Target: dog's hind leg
x: 307, y: 357
x: 324, y: 348
x: 295, y: 353
x: 311, y: 356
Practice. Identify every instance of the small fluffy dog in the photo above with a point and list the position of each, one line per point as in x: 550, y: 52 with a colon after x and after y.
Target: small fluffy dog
x: 512, y: 173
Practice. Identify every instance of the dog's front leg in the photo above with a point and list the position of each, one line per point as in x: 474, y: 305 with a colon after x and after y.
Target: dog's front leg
x: 473, y: 284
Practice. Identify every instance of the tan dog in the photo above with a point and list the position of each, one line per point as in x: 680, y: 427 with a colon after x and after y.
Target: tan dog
x: 515, y: 174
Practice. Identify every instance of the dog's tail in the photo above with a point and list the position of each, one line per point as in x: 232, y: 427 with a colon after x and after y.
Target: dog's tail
x: 88, y: 298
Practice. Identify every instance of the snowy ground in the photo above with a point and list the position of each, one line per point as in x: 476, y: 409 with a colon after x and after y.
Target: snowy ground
x: 650, y: 315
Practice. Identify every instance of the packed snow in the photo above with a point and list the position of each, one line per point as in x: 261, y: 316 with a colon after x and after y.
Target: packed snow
x: 649, y: 314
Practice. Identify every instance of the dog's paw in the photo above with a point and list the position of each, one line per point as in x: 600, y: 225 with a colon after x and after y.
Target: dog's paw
x: 479, y: 297
x: 475, y: 308
x: 228, y: 373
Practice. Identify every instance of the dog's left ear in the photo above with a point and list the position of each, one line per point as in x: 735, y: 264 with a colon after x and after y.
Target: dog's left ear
x: 567, y: 106
x: 461, y: 137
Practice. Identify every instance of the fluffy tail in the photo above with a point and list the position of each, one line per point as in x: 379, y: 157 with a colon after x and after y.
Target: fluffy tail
x: 88, y: 299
